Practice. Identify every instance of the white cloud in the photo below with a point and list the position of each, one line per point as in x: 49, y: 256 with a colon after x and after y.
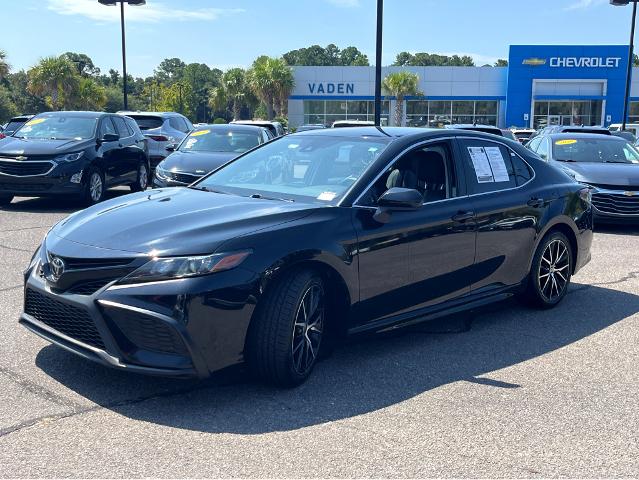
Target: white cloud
x: 583, y: 4
x: 345, y: 3
x: 151, y: 13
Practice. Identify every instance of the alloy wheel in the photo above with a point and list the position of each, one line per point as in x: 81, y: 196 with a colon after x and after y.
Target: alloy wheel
x: 95, y: 187
x: 143, y: 177
x: 553, y: 273
x: 307, y: 329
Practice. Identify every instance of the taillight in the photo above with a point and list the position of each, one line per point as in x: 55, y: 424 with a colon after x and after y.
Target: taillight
x: 159, y: 138
x: 2, y: 135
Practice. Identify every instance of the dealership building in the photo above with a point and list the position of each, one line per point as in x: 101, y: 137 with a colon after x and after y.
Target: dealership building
x: 542, y: 85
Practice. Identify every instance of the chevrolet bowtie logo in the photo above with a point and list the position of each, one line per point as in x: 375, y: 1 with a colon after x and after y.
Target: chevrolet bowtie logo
x: 629, y: 194
x: 21, y: 158
x: 535, y: 62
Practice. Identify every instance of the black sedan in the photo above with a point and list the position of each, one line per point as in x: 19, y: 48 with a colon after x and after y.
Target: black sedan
x: 204, y: 150
x: 307, y: 237
x: 73, y: 153
x: 607, y: 163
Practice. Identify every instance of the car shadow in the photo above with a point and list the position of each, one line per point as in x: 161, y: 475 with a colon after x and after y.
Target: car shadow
x: 58, y: 204
x: 618, y: 229
x: 362, y: 375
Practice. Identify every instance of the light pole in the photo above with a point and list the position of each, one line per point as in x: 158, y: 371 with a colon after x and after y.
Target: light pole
x: 124, y: 75
x: 631, y: 51
x: 378, y: 63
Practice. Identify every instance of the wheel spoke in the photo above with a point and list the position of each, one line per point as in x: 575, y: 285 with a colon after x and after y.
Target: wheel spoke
x: 561, y: 275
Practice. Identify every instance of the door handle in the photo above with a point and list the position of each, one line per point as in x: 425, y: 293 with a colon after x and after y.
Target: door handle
x: 462, y: 216
x: 536, y: 202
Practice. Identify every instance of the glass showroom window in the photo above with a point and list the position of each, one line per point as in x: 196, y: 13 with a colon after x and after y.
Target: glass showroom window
x: 558, y: 112
x: 328, y: 111
x: 633, y: 114
x: 437, y: 113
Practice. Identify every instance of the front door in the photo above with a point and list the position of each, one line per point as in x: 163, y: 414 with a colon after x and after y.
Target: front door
x: 421, y: 257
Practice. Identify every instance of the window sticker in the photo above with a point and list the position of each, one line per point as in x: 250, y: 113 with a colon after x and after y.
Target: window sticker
x: 190, y: 142
x: 328, y: 196
x: 566, y: 142
x: 497, y: 164
x: 35, y: 121
x: 200, y: 133
x: 481, y: 165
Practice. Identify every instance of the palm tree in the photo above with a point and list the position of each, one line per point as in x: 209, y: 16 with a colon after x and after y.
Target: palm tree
x: 284, y: 83
x: 261, y: 80
x: 234, y: 85
x: 4, y: 66
x: 401, y: 84
x: 91, y: 95
x: 55, y: 78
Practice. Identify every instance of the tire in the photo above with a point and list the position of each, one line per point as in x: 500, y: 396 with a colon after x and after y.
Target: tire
x: 93, y: 193
x: 285, y: 335
x: 5, y: 200
x: 142, y: 180
x: 550, y: 272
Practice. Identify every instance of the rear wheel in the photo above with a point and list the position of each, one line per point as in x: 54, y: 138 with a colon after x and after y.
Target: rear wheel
x: 5, y: 200
x: 550, y: 272
x: 93, y: 187
x: 286, y: 334
x: 142, y: 180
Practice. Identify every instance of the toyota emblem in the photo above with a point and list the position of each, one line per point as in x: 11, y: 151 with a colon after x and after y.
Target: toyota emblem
x: 56, y: 266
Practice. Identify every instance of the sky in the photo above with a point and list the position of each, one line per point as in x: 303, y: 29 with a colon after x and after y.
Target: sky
x: 229, y: 33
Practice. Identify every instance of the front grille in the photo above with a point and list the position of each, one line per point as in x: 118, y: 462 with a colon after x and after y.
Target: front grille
x: 625, y: 188
x: 72, y: 263
x: 89, y: 288
x: 148, y: 333
x: 25, y: 187
x: 616, y: 203
x: 184, y: 177
x: 72, y: 321
x: 24, y: 168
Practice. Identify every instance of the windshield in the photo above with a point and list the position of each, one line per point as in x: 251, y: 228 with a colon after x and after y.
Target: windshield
x: 210, y: 140
x: 315, y: 168
x: 598, y: 150
x: 58, y: 127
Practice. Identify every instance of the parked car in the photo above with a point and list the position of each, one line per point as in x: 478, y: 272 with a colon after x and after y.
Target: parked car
x: 14, y: 124
x: 73, y: 153
x: 275, y: 128
x: 627, y: 135
x: 162, y: 129
x: 523, y: 134
x: 352, y: 123
x: 630, y: 127
x: 609, y: 164
x: 204, y: 150
x: 574, y: 129
x: 313, y: 126
x: 303, y: 239
x: 477, y: 128
x: 508, y: 134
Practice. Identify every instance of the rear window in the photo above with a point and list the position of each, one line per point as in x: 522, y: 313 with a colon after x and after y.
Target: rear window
x: 601, y: 131
x: 146, y: 122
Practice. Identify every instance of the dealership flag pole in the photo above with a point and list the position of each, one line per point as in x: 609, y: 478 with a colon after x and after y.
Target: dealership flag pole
x: 378, y: 64
x: 631, y: 52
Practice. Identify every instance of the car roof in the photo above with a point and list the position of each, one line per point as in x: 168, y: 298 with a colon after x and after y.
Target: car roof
x: 253, y: 122
x: 86, y: 114
x: 18, y: 118
x: 576, y: 135
x: 470, y: 126
x: 390, y: 132
x: 229, y: 127
x: 149, y: 114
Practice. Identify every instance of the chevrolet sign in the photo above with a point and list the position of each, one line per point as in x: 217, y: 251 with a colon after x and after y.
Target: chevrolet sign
x: 585, y: 62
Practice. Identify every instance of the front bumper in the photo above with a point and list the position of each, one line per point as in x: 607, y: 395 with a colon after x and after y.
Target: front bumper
x: 174, y: 179
x: 179, y: 328
x: 39, y: 186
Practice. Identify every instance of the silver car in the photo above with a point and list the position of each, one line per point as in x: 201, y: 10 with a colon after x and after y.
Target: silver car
x: 161, y: 129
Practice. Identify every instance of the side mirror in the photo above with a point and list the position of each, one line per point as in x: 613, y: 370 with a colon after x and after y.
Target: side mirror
x: 171, y: 147
x: 110, y: 137
x: 397, y: 199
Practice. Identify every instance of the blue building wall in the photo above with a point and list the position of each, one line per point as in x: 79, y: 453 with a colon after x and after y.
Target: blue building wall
x: 578, y: 62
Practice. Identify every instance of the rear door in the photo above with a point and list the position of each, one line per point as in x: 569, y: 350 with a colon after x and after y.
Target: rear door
x: 507, y: 212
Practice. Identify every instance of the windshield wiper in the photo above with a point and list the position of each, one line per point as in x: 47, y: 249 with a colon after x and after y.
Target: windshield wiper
x: 565, y: 160
x: 205, y: 189
x: 615, y: 161
x: 259, y: 195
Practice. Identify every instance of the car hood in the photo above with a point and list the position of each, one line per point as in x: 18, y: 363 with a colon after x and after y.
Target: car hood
x: 21, y: 146
x: 197, y: 163
x: 172, y: 221
x: 622, y: 174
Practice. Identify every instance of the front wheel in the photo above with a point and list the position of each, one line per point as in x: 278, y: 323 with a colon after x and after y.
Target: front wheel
x: 142, y: 180
x: 93, y: 187
x: 550, y: 272
x: 286, y: 334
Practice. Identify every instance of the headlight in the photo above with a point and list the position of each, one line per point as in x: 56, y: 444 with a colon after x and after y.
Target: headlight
x: 161, y: 173
x: 69, y: 157
x: 170, y: 268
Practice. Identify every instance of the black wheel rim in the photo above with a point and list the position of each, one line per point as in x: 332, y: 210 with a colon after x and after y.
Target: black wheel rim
x: 144, y: 177
x: 554, y: 270
x: 307, y: 329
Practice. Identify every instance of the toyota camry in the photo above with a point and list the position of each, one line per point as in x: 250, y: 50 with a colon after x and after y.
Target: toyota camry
x: 303, y: 239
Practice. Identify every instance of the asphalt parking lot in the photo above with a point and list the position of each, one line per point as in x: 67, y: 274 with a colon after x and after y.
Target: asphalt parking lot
x: 522, y: 393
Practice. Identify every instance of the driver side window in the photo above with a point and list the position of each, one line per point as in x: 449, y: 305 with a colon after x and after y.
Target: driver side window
x: 106, y: 127
x: 429, y: 170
